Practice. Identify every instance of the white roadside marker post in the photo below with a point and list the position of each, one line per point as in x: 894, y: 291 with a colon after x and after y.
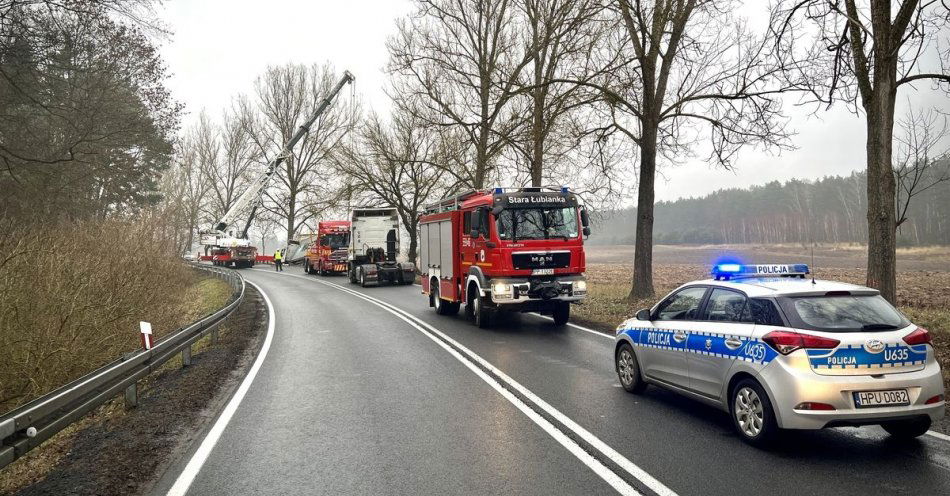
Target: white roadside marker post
x: 131, y: 392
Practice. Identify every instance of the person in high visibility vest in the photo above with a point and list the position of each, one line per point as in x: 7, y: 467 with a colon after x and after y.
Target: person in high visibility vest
x: 278, y: 261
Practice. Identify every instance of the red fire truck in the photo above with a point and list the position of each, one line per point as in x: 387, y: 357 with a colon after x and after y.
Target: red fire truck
x: 505, y: 249
x: 327, y: 253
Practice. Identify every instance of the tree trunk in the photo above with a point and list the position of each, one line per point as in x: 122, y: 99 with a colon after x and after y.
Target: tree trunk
x: 481, y: 159
x: 413, y: 243
x: 537, y: 138
x: 643, y: 246
x: 881, y: 189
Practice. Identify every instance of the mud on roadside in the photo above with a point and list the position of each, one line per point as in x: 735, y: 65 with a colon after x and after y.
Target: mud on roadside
x: 128, y: 453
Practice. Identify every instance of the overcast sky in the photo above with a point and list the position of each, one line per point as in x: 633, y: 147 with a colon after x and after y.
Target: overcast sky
x: 218, y: 47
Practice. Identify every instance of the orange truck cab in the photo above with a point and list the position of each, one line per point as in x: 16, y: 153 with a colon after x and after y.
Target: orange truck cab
x: 505, y: 249
x: 327, y: 254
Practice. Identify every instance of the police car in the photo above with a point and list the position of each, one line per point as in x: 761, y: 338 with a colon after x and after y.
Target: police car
x: 778, y: 350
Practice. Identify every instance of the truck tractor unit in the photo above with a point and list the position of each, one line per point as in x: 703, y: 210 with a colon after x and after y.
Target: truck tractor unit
x: 328, y: 252
x: 373, y: 247
x: 505, y: 249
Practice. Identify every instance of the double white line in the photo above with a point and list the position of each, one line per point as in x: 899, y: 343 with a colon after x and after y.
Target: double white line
x: 531, y: 405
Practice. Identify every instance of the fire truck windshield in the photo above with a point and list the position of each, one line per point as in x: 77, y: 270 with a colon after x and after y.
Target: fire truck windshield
x: 537, y: 223
x: 335, y: 241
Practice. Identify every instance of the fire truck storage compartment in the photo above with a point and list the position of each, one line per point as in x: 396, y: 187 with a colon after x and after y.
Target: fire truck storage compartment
x: 436, y: 253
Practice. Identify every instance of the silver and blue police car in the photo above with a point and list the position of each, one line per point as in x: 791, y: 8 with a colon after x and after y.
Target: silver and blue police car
x: 778, y: 350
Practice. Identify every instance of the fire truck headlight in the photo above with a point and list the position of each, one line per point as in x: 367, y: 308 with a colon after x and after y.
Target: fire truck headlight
x: 580, y: 287
x: 501, y: 290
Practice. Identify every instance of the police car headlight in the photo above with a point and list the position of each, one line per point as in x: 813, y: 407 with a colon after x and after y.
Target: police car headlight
x: 580, y: 287
x: 501, y: 290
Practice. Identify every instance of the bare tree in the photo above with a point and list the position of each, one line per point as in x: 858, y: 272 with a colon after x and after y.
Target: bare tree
x: 227, y: 157
x: 286, y: 96
x: 920, y: 164
x: 689, y: 68
x: 864, y: 52
x: 558, y: 39
x: 455, y: 63
x: 400, y: 164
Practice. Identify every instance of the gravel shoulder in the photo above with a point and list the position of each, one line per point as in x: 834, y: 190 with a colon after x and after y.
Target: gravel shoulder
x: 129, y: 452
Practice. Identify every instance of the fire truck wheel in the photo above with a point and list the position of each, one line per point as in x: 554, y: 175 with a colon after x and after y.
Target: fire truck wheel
x: 484, y: 317
x: 562, y: 313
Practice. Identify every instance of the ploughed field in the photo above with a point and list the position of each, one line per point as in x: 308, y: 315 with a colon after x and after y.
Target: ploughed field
x: 923, y: 280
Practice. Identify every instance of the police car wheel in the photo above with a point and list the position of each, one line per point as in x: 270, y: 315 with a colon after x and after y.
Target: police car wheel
x: 752, y: 413
x: 628, y: 370
x: 907, y: 429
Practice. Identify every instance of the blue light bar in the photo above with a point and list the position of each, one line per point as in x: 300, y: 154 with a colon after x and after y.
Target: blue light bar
x: 565, y: 189
x: 728, y: 271
x: 499, y: 191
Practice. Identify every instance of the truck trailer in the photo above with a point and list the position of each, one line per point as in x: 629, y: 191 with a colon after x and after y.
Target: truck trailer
x: 327, y: 253
x: 373, y: 248
x: 504, y: 249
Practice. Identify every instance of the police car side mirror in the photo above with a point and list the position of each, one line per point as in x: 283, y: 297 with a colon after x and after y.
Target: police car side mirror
x: 643, y: 314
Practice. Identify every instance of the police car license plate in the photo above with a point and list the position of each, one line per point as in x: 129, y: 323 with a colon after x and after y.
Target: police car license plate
x: 542, y: 272
x: 870, y: 399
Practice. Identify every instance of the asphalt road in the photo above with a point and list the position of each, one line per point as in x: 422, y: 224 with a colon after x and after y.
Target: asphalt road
x: 354, y: 399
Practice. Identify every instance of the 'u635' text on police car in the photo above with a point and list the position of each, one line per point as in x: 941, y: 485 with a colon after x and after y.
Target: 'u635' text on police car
x: 779, y: 351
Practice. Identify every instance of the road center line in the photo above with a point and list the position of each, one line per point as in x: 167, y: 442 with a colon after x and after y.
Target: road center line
x: 476, y: 363
x: 187, y: 476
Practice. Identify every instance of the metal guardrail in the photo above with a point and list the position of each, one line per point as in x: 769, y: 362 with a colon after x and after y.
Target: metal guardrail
x: 29, y: 425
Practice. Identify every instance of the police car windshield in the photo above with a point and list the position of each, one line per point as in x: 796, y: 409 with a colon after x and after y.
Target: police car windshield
x: 844, y: 313
x: 335, y: 241
x: 537, y: 223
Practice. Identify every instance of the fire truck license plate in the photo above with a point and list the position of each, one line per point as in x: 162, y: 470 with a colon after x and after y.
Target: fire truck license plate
x: 542, y: 272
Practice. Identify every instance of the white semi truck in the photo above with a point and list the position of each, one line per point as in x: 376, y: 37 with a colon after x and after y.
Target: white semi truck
x: 374, y: 246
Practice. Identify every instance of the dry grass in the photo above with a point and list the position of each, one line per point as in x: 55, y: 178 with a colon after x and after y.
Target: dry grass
x: 70, y: 301
x: 71, y: 297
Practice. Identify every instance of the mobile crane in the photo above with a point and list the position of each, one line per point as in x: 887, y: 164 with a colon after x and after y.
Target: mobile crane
x: 228, y: 249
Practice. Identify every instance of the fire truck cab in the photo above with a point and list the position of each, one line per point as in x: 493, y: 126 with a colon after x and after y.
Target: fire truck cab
x: 327, y: 253
x: 505, y: 249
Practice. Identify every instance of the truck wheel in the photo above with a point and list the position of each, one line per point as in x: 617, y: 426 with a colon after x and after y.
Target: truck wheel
x: 352, y: 274
x: 363, y: 278
x: 484, y: 317
x: 562, y: 313
x: 443, y: 307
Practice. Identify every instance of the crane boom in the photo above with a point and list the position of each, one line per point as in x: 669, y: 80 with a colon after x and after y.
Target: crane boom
x: 257, y: 186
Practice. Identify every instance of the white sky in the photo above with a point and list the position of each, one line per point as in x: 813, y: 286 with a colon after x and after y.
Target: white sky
x: 218, y: 47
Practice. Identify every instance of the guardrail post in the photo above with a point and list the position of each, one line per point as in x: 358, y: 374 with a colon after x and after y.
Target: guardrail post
x: 132, y: 395
x: 186, y: 356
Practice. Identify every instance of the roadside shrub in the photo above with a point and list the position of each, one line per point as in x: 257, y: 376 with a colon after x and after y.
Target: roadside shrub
x: 72, y: 295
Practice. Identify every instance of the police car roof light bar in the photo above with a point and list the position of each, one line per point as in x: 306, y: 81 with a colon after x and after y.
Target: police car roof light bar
x: 727, y: 271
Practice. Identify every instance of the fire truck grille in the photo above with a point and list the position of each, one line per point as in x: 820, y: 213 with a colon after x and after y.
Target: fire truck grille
x: 338, y: 255
x: 541, y: 260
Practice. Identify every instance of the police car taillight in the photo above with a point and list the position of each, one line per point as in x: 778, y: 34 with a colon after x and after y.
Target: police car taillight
x: 786, y: 342
x: 813, y: 405
x: 919, y: 336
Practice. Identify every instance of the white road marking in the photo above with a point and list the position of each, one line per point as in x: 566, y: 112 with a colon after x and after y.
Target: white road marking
x: 575, y: 326
x: 939, y: 435
x: 470, y: 359
x: 194, y: 465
